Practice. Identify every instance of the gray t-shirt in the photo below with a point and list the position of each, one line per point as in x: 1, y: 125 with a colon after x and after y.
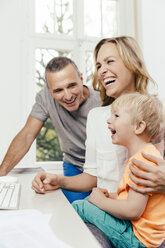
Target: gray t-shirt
x: 70, y: 126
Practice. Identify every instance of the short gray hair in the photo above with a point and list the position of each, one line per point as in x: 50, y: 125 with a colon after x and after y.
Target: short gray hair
x: 58, y: 63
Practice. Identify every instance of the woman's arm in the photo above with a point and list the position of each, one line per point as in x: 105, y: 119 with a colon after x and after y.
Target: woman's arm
x: 129, y: 209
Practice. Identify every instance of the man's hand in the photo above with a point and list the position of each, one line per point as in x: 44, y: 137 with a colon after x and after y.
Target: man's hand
x: 153, y: 178
x: 97, y: 196
x: 45, y: 181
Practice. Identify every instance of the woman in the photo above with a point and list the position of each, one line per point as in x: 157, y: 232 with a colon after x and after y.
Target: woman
x: 119, y: 68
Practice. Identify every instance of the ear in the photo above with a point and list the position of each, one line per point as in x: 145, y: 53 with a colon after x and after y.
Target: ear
x: 81, y: 77
x: 140, y: 127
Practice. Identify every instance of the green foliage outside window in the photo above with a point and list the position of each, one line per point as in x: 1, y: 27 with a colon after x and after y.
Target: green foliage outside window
x: 48, y: 148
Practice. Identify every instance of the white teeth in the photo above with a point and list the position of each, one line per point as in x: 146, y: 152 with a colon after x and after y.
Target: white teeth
x: 70, y: 102
x: 109, y: 81
x: 106, y: 80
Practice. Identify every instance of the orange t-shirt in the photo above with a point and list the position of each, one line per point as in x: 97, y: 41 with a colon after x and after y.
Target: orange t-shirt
x: 150, y: 227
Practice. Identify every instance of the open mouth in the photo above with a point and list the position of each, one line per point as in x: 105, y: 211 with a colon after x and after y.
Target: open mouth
x: 108, y: 82
x: 113, y: 131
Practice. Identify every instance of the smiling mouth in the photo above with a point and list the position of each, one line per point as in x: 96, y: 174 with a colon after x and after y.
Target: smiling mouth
x: 113, y: 131
x: 69, y: 103
x: 109, y: 82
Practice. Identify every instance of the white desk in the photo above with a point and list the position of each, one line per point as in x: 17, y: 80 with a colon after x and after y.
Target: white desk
x: 65, y: 222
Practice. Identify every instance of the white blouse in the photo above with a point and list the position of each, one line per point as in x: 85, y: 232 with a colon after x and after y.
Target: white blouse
x: 103, y: 159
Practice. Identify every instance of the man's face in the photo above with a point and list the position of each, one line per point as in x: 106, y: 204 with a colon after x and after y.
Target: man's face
x: 66, y: 87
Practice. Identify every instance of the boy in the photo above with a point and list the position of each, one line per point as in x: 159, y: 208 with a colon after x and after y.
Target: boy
x: 128, y: 218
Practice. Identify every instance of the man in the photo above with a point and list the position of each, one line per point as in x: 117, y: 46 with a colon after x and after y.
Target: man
x: 67, y: 102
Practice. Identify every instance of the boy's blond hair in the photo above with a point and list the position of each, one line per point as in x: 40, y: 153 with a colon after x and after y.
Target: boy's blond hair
x: 147, y: 108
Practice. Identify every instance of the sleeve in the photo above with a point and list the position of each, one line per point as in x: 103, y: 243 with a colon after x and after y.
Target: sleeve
x: 90, y: 165
x: 139, y: 156
x: 39, y: 109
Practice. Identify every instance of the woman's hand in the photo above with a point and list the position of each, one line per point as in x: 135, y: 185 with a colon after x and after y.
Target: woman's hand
x: 152, y: 179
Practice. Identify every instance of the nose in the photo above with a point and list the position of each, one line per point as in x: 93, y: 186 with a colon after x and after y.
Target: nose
x: 67, y: 95
x: 103, y: 70
x: 109, y: 121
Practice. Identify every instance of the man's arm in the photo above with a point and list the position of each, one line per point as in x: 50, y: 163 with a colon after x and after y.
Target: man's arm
x: 81, y: 183
x: 20, y: 145
x: 152, y: 178
x: 129, y: 209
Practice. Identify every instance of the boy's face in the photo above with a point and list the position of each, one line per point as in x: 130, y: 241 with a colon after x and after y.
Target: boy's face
x: 121, y: 126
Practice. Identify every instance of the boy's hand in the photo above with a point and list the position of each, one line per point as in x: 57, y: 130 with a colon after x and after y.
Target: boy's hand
x: 97, y: 196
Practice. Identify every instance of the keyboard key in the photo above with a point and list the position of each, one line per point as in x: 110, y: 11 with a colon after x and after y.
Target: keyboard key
x: 7, y: 198
x: 9, y: 195
x: 15, y: 197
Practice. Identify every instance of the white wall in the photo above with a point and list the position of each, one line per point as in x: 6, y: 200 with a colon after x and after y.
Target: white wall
x: 14, y: 103
x: 10, y: 70
x: 151, y: 19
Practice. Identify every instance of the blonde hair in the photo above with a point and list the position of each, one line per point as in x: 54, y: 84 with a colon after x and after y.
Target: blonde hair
x: 147, y: 108
x: 132, y: 58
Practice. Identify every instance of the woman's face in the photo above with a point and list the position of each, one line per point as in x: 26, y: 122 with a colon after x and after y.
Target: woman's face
x: 112, y: 73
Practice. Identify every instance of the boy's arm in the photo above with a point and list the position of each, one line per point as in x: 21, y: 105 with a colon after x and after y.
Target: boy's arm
x: 113, y: 195
x: 129, y: 209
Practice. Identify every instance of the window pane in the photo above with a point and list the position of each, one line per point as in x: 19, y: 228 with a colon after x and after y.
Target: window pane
x: 48, y: 148
x: 102, y: 20
x: 64, y: 13
x: 44, y: 16
x: 109, y: 18
x: 92, y: 19
x: 89, y: 67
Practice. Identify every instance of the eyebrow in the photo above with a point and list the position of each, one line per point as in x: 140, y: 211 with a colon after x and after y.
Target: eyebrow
x: 56, y: 90
x: 105, y: 59
x: 59, y: 89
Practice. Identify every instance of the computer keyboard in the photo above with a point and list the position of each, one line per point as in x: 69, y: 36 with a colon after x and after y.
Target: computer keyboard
x: 9, y: 195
